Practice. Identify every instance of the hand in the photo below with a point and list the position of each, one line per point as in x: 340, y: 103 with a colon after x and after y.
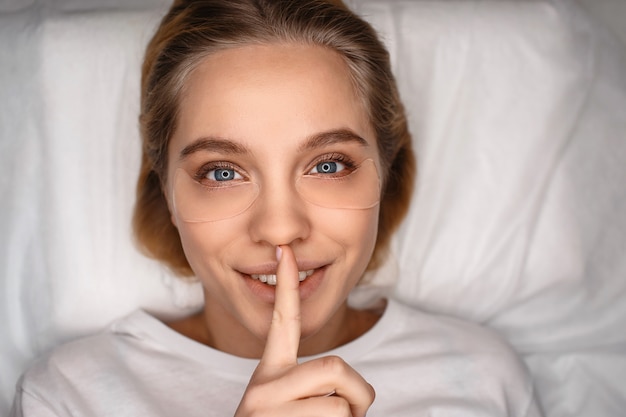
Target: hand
x: 282, y: 387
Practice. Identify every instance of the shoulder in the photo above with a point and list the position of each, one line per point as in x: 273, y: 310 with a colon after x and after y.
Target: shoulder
x: 82, y: 361
x: 449, y: 335
x: 125, y: 370
x: 453, y: 362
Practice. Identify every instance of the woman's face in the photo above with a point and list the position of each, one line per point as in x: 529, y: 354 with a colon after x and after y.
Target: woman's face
x: 266, y: 137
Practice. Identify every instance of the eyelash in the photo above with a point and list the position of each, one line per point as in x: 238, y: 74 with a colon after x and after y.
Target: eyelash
x: 201, y: 173
x: 349, y: 163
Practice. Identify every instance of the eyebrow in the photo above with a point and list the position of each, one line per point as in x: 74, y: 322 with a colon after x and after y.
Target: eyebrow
x: 331, y: 137
x: 226, y: 146
x: 214, y: 144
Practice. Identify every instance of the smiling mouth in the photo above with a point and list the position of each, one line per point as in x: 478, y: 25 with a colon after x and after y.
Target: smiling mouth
x: 270, y: 279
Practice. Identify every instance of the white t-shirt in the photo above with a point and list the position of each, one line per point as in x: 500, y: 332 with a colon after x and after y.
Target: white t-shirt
x: 419, y: 365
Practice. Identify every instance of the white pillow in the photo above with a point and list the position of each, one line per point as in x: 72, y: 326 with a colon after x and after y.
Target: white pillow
x: 519, y: 217
x: 69, y: 157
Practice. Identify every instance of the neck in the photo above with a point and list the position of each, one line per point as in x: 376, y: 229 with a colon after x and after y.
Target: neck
x: 215, y: 327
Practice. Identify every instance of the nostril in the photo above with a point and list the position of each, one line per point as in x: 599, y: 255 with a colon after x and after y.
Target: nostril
x: 277, y: 225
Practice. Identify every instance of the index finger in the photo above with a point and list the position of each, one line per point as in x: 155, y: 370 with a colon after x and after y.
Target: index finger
x: 283, y: 339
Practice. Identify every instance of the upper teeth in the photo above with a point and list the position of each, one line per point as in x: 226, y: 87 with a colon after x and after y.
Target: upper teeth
x: 270, y: 279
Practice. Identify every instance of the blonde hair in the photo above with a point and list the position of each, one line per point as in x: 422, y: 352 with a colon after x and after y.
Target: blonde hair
x: 195, y: 29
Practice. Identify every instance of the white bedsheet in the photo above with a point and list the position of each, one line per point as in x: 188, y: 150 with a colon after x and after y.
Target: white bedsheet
x: 519, y: 221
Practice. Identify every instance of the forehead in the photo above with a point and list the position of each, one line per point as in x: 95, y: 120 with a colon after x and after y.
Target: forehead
x: 269, y: 97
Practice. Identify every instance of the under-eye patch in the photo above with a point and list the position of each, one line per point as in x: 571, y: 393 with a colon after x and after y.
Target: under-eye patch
x: 225, y: 196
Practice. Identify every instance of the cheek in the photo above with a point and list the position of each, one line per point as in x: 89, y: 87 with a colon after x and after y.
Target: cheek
x: 205, y: 244
x: 354, y: 230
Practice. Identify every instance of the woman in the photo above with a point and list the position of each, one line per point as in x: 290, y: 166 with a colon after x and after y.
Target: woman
x: 276, y: 164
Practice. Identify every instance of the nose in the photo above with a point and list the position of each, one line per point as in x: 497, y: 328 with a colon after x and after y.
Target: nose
x: 279, y: 216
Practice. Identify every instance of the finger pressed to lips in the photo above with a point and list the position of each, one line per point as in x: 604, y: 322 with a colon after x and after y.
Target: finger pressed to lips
x: 289, y: 384
x: 283, y: 339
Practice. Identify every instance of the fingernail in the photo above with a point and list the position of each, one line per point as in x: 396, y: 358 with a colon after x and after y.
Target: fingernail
x: 279, y: 253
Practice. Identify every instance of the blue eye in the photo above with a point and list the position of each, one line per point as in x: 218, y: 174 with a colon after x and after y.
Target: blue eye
x: 328, y: 167
x: 222, y: 174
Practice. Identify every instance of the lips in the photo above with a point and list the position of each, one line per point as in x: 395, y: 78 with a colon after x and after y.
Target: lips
x: 261, y: 279
x: 270, y: 279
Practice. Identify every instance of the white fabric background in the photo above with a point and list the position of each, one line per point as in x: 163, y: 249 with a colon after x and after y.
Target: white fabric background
x: 519, y: 220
